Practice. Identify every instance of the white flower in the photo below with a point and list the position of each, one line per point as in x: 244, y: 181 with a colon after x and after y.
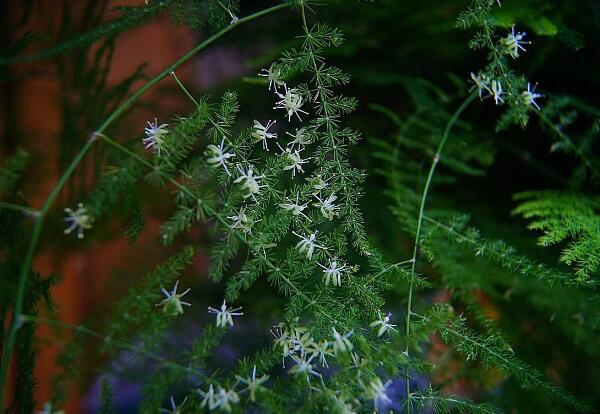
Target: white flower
x: 78, y: 219
x: 226, y: 398
x: 304, y: 366
x: 242, y: 221
x: 175, y: 409
x: 273, y: 75
x: 291, y: 102
x: 333, y: 272
x: 320, y: 350
x: 155, y: 136
x: 218, y: 155
x: 249, y: 182
x: 261, y: 132
x: 209, y: 398
x: 514, y: 42
x: 292, y: 341
x: 253, y: 384
x: 224, y: 315
x: 529, y: 96
x: 172, y: 304
x: 496, y: 91
x: 377, y: 392
x: 300, y: 138
x: 328, y: 209
x: 308, y: 244
x: 341, y: 343
x: 383, y: 323
x: 295, y: 207
x: 481, y: 83
x: 318, y: 183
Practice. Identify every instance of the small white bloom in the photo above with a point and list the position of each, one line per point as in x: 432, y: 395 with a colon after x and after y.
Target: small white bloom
x: 304, y: 366
x: 155, y: 136
x: 242, y: 221
x: 225, y: 398
x: 481, y: 83
x: 78, y: 219
x: 295, y: 207
x: 175, y: 409
x: 308, y: 244
x: 172, y: 304
x: 496, y: 91
x: 328, y: 209
x: 318, y: 183
x: 291, y: 102
x: 273, y: 75
x: 333, y: 272
x: 249, y: 182
x: 218, y: 155
x: 301, y: 139
x: 253, y: 384
x: 209, y: 399
x: 261, y: 132
x: 341, y: 343
x: 295, y: 161
x: 529, y: 96
x: 514, y: 42
x: 377, y: 391
x: 224, y: 315
x: 320, y: 350
x: 383, y: 323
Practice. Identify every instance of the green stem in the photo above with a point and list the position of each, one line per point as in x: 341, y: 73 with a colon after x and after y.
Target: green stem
x: 16, y: 207
x: 436, y: 160
x: 39, y: 219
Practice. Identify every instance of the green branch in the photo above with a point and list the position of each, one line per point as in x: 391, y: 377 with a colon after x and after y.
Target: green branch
x: 424, y: 195
x: 39, y: 220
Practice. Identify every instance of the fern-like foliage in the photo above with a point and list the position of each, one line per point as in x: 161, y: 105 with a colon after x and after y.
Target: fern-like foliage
x: 565, y: 217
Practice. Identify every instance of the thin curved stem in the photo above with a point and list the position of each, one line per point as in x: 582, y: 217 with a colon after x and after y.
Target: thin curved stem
x: 22, y: 209
x: 424, y: 195
x: 39, y: 219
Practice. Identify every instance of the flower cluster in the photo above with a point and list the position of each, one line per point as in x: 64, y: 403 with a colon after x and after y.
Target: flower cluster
x: 298, y: 344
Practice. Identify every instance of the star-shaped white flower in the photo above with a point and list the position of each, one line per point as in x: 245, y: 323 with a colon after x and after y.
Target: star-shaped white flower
x: 496, y: 91
x: 209, y: 398
x: 480, y: 82
x: 218, y: 155
x: 273, y: 75
x: 295, y: 207
x: 253, y: 384
x: 304, y: 366
x: 333, y: 272
x: 328, y: 209
x: 249, y: 182
x: 225, y: 398
x: 383, y: 324
x: 529, y: 96
x: 79, y: 220
x: 321, y: 350
x: 260, y: 133
x: 155, y: 136
x: 225, y: 315
x: 242, y: 221
x: 291, y: 102
x: 308, y: 244
x: 514, y: 42
x: 377, y: 391
x: 341, y: 343
x: 301, y: 139
x: 172, y: 304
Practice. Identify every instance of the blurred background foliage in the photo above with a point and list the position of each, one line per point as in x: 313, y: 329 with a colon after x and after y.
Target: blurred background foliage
x: 409, y: 65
